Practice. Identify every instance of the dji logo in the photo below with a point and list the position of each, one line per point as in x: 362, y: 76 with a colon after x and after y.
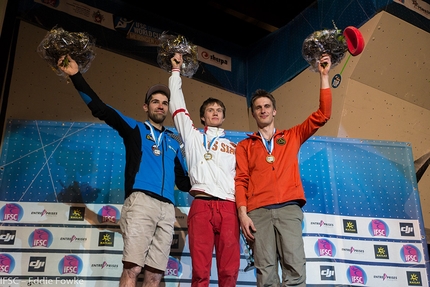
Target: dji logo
x: 407, y: 229
x: 37, y: 264
x: 327, y: 273
x: 7, y: 237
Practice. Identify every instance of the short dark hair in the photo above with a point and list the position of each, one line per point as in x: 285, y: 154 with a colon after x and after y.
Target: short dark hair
x: 260, y: 93
x: 210, y: 101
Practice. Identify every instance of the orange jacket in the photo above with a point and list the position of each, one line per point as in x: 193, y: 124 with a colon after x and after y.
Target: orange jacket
x: 259, y: 183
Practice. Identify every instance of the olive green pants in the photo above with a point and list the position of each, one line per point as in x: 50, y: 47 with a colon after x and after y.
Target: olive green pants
x: 279, y: 242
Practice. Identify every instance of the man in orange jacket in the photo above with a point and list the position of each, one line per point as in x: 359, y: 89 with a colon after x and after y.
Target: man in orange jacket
x: 269, y: 192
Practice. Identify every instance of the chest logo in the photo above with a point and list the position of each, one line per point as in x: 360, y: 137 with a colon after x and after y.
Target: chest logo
x: 281, y: 141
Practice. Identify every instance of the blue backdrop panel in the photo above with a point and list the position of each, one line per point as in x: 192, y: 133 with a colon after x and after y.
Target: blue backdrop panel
x: 61, y: 191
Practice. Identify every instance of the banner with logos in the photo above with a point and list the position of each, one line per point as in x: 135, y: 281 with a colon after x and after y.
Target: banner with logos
x: 137, y: 38
x: 61, y: 192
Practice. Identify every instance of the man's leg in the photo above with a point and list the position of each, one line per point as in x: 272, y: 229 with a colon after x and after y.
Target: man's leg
x: 264, y: 248
x: 129, y: 275
x: 291, y: 247
x: 152, y: 277
x: 201, y: 241
x: 227, y: 243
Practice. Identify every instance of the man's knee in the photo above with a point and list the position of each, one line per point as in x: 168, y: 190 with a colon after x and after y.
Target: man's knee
x: 132, y: 269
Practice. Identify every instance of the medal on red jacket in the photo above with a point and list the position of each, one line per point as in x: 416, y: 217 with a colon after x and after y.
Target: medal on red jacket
x: 270, y: 158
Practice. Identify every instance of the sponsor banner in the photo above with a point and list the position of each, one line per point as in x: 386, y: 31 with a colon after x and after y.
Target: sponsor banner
x: 47, y: 213
x: 338, y: 273
x: 214, y: 59
x: 82, y: 11
x: 322, y: 248
x: 134, y: 30
x: 46, y: 268
x: 363, y: 227
x: 49, y: 238
x: 418, y: 6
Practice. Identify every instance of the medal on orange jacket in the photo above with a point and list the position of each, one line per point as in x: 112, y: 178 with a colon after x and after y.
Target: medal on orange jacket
x: 269, y: 147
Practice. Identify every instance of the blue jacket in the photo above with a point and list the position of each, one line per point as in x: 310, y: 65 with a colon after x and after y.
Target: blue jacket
x: 144, y: 171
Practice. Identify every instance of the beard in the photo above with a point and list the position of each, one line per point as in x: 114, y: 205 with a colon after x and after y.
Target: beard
x: 157, y: 117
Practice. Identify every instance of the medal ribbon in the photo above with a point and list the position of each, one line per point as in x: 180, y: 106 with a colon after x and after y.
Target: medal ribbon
x: 268, y: 144
x: 160, y: 137
x: 210, y: 144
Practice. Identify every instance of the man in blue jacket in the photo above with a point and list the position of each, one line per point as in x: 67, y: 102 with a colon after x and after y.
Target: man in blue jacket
x: 154, y: 163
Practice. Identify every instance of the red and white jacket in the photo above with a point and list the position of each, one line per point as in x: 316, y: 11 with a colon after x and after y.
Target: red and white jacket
x: 214, y: 177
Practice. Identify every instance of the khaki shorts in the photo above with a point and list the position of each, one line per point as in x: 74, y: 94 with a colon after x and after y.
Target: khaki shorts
x: 147, y: 229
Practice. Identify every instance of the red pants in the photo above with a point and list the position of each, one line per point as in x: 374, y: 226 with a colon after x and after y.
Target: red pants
x: 214, y: 223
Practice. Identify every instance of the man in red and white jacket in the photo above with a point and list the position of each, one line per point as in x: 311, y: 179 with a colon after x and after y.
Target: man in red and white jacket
x: 212, y: 219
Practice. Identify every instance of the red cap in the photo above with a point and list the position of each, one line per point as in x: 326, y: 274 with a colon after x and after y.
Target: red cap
x: 354, y: 40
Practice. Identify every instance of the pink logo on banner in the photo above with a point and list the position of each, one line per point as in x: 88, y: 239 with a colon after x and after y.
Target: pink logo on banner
x: 108, y: 214
x: 12, y: 212
x: 410, y: 253
x: 41, y: 238
x: 71, y: 265
x: 7, y: 264
x: 325, y: 248
x: 378, y: 228
x: 356, y: 275
x: 174, y: 268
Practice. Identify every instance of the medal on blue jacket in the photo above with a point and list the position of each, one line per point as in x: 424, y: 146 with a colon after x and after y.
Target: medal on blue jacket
x: 155, y: 147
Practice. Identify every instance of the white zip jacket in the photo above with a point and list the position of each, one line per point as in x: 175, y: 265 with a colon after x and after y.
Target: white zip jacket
x: 214, y: 177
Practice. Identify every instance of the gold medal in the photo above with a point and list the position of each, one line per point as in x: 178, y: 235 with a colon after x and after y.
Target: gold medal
x: 270, y: 158
x: 208, y: 156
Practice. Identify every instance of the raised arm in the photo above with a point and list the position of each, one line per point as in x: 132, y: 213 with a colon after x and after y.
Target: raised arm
x: 98, y: 108
x: 325, y: 93
x: 177, y: 107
